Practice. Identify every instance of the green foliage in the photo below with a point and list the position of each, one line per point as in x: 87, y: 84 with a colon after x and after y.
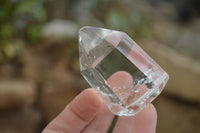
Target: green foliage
x: 21, y: 16
x: 34, y: 8
x: 6, y: 31
x: 116, y: 20
x: 34, y: 33
x: 10, y: 50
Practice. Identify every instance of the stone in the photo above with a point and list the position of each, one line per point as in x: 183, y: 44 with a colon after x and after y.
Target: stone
x: 24, y: 120
x: 124, y: 75
x: 183, y: 39
x: 190, y: 36
x: 57, y: 91
x: 184, y: 71
x: 176, y: 116
x: 34, y: 66
x: 55, y: 98
x: 9, y: 70
x: 15, y: 93
x: 60, y: 29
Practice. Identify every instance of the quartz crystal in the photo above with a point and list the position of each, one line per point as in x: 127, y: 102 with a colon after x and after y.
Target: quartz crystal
x: 125, y: 77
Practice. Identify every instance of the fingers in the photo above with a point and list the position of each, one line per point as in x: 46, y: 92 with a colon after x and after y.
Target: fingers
x: 101, y: 123
x: 121, y: 84
x: 145, y: 121
x: 79, y: 113
x: 124, y: 124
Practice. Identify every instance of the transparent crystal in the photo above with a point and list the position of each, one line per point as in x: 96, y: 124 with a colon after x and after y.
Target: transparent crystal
x: 125, y: 77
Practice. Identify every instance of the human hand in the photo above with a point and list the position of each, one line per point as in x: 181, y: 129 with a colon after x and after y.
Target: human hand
x: 87, y: 114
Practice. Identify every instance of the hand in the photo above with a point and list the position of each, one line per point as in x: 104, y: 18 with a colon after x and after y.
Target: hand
x: 87, y: 114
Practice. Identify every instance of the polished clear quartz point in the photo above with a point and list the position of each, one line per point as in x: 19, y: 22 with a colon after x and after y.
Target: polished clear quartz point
x: 125, y: 77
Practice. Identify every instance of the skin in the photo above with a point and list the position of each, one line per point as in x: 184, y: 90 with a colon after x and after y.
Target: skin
x: 87, y: 114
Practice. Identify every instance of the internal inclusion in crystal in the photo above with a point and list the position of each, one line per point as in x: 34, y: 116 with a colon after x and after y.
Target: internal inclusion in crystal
x: 107, y: 62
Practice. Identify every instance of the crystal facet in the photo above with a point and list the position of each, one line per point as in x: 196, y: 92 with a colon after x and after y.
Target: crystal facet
x: 125, y: 77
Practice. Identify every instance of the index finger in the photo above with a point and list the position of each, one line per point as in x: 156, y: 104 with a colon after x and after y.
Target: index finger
x: 77, y: 114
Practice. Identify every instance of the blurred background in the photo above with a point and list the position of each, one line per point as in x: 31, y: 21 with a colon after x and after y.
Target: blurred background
x: 39, y: 67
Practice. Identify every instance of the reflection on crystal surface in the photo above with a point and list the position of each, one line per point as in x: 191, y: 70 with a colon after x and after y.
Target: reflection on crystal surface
x: 122, y: 73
